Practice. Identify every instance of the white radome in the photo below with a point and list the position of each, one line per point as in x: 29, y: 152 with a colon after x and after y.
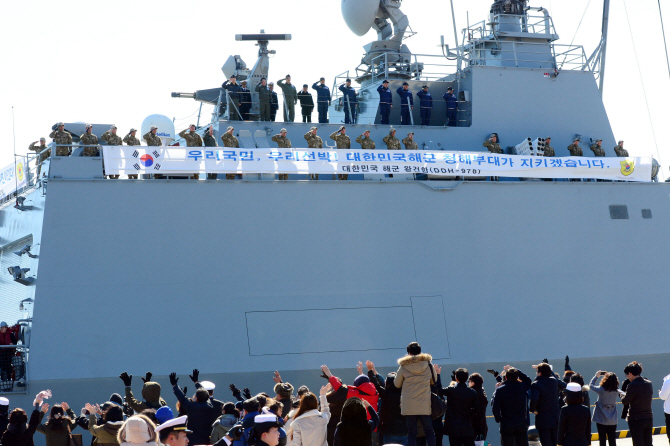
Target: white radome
x: 165, y: 128
x: 359, y: 15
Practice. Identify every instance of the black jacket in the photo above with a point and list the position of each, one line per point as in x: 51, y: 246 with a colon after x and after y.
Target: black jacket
x: 544, y: 401
x: 479, y: 416
x: 391, y: 420
x: 574, y: 427
x: 306, y: 100
x: 639, y: 394
x: 462, y: 403
x: 209, y: 141
x: 200, y: 416
x: 510, y: 404
x: 22, y: 435
x: 245, y: 99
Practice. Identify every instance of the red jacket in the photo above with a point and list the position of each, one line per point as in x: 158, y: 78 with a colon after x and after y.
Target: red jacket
x: 366, y: 391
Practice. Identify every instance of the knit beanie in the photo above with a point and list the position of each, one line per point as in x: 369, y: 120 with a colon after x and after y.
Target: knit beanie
x: 284, y: 390
x: 360, y: 380
x: 116, y: 399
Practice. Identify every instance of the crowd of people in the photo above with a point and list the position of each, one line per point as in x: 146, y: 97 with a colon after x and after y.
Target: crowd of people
x: 408, y: 407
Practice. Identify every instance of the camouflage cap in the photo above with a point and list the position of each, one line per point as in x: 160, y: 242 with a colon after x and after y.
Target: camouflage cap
x: 230, y: 127
x: 493, y: 135
x: 59, y: 124
x: 575, y: 139
x: 153, y: 127
x: 283, y: 130
x: 313, y: 128
x: 113, y: 126
x: 621, y: 142
x: 133, y: 129
x: 410, y: 133
x: 597, y: 140
x: 43, y: 139
x: 391, y: 130
x: 342, y: 127
x: 548, y: 137
x: 191, y: 125
x: 88, y: 126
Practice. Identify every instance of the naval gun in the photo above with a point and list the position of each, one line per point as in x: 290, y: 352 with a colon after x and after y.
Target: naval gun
x: 234, y: 65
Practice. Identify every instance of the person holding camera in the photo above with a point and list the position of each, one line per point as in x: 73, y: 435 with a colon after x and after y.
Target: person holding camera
x: 605, y: 413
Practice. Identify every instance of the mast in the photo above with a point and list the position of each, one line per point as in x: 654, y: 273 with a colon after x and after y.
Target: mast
x: 603, y: 50
x: 458, y: 50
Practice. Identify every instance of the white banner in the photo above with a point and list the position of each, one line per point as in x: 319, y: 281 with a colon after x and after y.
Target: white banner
x: 11, y: 178
x: 189, y: 160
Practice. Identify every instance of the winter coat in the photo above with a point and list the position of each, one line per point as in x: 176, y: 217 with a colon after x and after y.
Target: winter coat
x: 574, y: 427
x: 310, y: 428
x: 107, y: 434
x: 544, y: 401
x: 406, y: 98
x: 348, y: 93
x: 336, y: 400
x: 426, y: 99
x: 665, y: 394
x: 414, y: 377
x: 638, y: 396
x: 322, y: 93
x: 510, y: 404
x: 247, y: 424
x: 200, y: 416
x: 366, y: 391
x: 22, y: 435
x: 221, y: 427
x: 462, y: 403
x: 353, y: 432
x: 452, y: 102
x: 59, y: 436
x: 391, y: 420
x: 605, y: 411
x: 216, y: 404
x: 136, y: 433
x: 151, y: 393
x: 479, y: 426
x: 385, y: 95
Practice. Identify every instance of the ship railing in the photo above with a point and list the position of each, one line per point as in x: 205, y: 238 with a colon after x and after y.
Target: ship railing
x: 420, y: 67
x: 32, y: 162
x: 13, y: 365
x: 567, y: 57
x: 527, y: 23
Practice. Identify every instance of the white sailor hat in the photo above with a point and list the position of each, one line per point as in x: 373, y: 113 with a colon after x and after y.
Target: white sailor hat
x: 4, y: 401
x: 175, y: 424
x: 268, y: 420
x: 574, y: 387
x: 208, y: 385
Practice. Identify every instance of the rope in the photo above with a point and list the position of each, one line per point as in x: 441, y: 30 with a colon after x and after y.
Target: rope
x: 665, y: 43
x: 576, y: 31
x: 651, y: 123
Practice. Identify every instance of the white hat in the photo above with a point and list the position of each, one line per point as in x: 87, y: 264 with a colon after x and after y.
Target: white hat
x: 4, y: 401
x: 175, y: 424
x: 574, y: 387
x: 208, y: 385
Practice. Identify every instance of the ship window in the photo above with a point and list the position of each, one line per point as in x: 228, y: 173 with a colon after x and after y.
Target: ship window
x: 646, y: 213
x: 618, y: 212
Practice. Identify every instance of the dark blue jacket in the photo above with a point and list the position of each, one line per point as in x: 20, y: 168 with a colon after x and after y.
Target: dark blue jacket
x: 405, y: 96
x: 322, y: 93
x: 274, y: 101
x: 200, y: 417
x: 426, y: 99
x: 544, y: 401
x: 385, y: 95
x: 450, y: 98
x: 233, y: 91
x: 462, y: 403
x: 348, y: 92
x: 247, y: 424
x: 510, y: 405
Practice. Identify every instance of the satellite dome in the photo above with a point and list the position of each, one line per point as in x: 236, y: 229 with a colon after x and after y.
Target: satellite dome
x: 165, y: 127
x: 359, y: 15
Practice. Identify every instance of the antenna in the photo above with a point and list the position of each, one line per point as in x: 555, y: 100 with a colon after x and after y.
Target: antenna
x: 16, y: 176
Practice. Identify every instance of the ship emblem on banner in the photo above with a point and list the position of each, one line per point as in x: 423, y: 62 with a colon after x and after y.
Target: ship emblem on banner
x: 627, y: 167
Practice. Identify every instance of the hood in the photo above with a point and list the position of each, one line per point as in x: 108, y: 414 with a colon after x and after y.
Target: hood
x: 390, y: 383
x: 17, y: 428
x: 360, y: 380
x: 151, y: 392
x: 415, y: 363
x: 137, y: 431
x: 112, y: 427
x: 367, y: 388
x: 227, y: 420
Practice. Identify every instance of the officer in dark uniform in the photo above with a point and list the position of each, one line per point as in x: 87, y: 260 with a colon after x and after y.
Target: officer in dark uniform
x: 306, y: 103
x: 234, y: 95
x: 426, y: 105
x: 349, y: 101
x: 452, y: 107
x: 245, y: 101
x: 406, y: 104
x: 274, y: 102
x: 322, y: 99
x: 385, y: 101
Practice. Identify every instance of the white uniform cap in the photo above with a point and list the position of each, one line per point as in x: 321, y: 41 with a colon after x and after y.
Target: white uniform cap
x: 574, y: 387
x: 4, y: 401
x: 177, y: 424
x: 208, y: 385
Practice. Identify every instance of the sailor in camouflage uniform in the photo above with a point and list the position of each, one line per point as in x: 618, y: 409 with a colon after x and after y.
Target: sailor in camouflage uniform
x: 283, y: 143
x: 60, y: 136
x: 229, y: 140
x: 89, y: 139
x: 153, y: 139
x: 392, y: 143
x: 37, y: 148
x: 574, y: 148
x: 113, y: 140
x: 313, y: 142
x: 210, y: 141
x: 131, y: 140
x: 409, y: 142
x: 620, y: 151
x: 492, y: 144
x: 192, y: 140
x: 597, y: 148
x: 548, y: 150
x: 343, y: 142
x: 365, y: 141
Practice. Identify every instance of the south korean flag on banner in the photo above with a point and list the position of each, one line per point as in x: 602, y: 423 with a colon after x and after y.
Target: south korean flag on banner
x: 149, y: 159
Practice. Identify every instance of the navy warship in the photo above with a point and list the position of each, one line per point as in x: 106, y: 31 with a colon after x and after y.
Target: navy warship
x: 241, y: 278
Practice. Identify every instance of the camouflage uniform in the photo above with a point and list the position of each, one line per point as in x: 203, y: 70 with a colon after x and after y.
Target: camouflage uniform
x: 597, y: 150
x: 392, y: 143
x: 37, y: 148
x: 283, y: 143
x: 152, y: 140
x: 621, y: 152
x: 575, y: 150
x: 230, y: 140
x: 410, y: 144
x: 343, y: 142
x: 112, y: 140
x: 493, y: 147
x: 549, y: 151
x: 131, y: 141
x: 89, y: 139
x: 61, y: 138
x: 313, y: 142
x: 365, y: 142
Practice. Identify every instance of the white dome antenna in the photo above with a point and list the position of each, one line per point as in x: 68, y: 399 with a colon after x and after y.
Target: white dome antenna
x: 165, y: 128
x: 359, y: 15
